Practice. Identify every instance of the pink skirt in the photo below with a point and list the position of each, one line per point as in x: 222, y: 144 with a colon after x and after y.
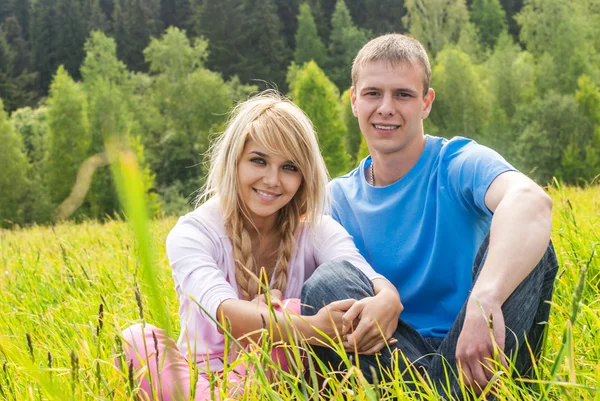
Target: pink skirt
x: 170, y: 377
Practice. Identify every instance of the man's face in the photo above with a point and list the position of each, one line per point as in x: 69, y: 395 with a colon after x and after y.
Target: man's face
x: 389, y: 103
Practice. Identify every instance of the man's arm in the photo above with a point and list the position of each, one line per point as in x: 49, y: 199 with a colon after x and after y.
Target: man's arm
x: 371, y: 321
x: 519, y: 237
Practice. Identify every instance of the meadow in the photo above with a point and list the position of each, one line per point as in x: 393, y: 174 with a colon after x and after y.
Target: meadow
x: 66, y: 292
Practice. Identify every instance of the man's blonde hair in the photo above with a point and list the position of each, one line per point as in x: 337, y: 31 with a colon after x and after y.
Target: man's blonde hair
x: 393, y: 48
x: 283, y: 129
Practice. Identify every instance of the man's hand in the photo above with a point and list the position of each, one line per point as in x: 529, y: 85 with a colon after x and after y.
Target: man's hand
x: 371, y: 322
x: 328, y: 321
x: 483, y: 330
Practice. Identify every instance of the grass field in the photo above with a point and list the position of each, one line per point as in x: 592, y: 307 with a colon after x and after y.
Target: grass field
x: 66, y: 292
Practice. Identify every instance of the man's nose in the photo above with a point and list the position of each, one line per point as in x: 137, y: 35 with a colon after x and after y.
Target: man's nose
x: 386, y: 107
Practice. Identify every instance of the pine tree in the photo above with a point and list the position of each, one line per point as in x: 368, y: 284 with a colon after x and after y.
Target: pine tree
x: 490, y: 19
x: 323, y: 23
x: 308, y: 44
x: 13, y: 173
x: 346, y: 40
x: 354, y: 136
x: 71, y: 33
x: 288, y: 14
x: 68, y: 134
x: 94, y: 16
x: 44, y: 40
x: 264, y: 53
x: 380, y: 16
x: 217, y: 21
x: 17, y: 84
x: 435, y: 22
x: 134, y: 23
x: 175, y: 13
x: 21, y: 10
x: 319, y: 98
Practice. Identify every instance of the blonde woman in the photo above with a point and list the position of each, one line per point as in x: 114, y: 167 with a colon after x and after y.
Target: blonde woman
x: 260, y: 215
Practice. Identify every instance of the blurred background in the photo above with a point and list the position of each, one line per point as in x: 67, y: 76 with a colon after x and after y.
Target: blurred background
x: 521, y: 76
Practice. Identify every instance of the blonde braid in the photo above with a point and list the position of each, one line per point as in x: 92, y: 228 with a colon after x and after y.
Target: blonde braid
x: 288, y: 225
x: 244, y: 261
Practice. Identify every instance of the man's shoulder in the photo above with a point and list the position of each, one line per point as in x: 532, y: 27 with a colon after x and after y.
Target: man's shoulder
x: 346, y: 181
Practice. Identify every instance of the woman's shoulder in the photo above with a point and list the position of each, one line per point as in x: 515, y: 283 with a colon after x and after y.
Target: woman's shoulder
x: 205, y: 221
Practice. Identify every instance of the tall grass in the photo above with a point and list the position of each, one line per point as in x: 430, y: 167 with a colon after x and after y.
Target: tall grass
x: 67, y: 292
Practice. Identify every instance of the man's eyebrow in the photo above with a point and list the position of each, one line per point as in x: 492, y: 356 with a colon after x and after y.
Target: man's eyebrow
x: 370, y: 88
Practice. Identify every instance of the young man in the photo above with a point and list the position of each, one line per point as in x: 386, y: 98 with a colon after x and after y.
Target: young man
x: 462, y: 235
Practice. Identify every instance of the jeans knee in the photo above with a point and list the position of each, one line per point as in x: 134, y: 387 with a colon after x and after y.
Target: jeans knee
x: 332, y: 281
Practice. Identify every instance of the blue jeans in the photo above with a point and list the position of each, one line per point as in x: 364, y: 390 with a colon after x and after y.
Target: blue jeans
x: 525, y: 312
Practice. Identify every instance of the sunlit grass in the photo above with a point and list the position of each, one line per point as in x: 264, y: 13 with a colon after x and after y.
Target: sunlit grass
x: 67, y: 292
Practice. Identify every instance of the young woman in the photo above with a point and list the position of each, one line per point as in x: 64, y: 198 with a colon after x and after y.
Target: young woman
x: 260, y: 216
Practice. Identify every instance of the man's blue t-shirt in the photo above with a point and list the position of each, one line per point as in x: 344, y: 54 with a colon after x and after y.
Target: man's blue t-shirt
x: 423, y: 231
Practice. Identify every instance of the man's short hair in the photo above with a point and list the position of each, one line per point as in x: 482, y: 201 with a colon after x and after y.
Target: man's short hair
x: 393, y: 48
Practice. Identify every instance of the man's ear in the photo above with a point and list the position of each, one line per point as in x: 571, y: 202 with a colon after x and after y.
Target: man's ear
x: 353, y: 100
x: 427, y: 103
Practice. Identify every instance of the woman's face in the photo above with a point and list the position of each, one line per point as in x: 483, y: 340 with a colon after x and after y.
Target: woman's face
x: 267, y: 182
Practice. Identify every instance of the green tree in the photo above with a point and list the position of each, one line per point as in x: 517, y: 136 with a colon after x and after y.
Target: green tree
x: 549, y: 126
x: 21, y: 10
x: 13, y: 173
x: 435, y: 23
x: 462, y: 104
x: 380, y: 16
x: 32, y: 126
x: 288, y: 14
x: 110, y: 99
x: 217, y: 21
x: 315, y: 94
x: 94, y: 16
x: 308, y: 44
x: 354, y: 136
x: 175, y: 13
x: 511, y: 74
x: 43, y: 41
x: 262, y: 47
x: 134, y: 23
x: 68, y: 134
x: 564, y: 37
x: 345, y: 41
x: 490, y: 19
x: 192, y: 101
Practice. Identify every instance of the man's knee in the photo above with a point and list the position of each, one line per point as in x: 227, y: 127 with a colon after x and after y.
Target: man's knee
x: 332, y: 281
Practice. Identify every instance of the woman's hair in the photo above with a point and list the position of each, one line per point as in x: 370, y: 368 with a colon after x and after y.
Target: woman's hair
x: 283, y: 129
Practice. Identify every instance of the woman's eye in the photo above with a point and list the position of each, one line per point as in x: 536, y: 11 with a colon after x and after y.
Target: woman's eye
x: 290, y: 167
x: 258, y: 160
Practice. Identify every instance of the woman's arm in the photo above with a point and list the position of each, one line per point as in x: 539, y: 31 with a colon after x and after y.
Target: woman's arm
x: 247, y: 319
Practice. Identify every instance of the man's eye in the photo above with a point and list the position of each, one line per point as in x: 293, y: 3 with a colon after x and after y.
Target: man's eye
x: 258, y: 160
x: 371, y: 94
x: 404, y: 94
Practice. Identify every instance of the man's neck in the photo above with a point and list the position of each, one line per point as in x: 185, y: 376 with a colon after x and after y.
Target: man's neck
x: 390, y: 167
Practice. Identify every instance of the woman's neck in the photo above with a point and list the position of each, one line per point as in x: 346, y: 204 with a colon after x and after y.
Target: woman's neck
x: 260, y: 228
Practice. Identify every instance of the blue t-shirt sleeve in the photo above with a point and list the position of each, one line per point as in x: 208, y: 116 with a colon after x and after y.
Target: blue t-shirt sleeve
x: 471, y: 169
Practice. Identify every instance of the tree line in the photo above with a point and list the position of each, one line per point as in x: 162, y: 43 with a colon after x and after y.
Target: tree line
x: 522, y: 78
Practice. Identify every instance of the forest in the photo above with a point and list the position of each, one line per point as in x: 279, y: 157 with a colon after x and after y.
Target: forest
x: 521, y: 76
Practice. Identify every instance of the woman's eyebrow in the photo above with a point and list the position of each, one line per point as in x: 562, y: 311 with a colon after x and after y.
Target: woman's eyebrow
x: 261, y: 154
